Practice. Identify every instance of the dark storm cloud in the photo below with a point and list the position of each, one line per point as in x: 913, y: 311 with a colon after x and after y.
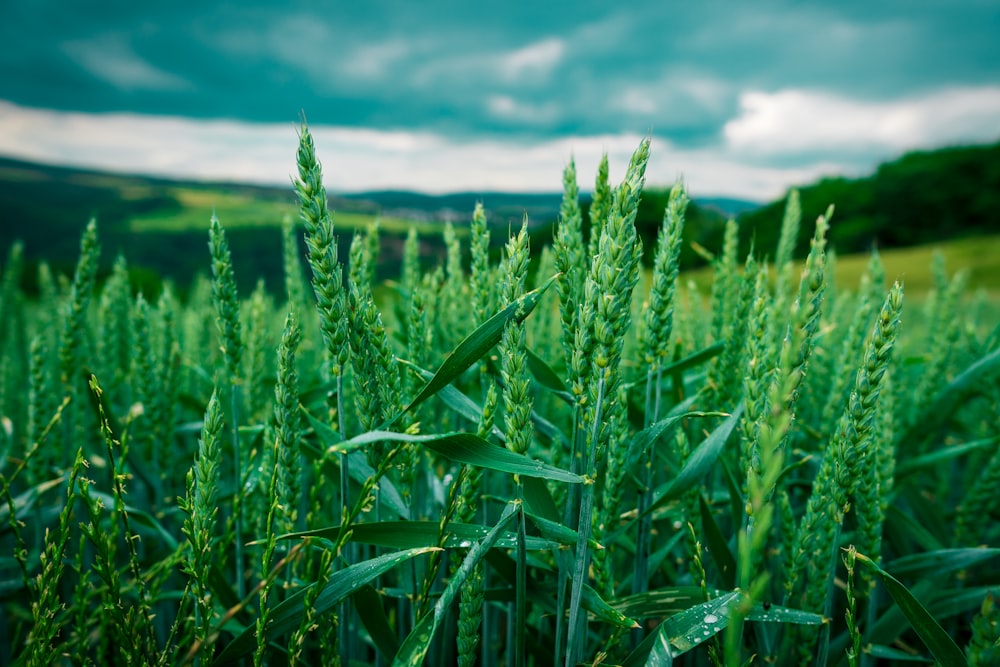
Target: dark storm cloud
x: 531, y: 68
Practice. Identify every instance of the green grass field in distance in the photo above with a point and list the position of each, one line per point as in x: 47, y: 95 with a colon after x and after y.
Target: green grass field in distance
x: 979, y: 256
x: 240, y: 210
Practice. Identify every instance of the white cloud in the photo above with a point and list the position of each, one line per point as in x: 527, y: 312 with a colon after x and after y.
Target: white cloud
x: 506, y: 107
x: 536, y: 59
x: 679, y: 95
x: 376, y: 60
x: 329, y: 56
x: 111, y: 58
x: 358, y: 159
x: 635, y: 99
x: 801, y: 121
x: 531, y: 65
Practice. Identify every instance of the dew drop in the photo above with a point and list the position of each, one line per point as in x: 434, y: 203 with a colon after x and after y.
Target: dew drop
x: 711, y: 618
x: 465, y: 544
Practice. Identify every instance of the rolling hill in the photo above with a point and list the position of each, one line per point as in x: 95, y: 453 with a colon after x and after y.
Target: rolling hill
x: 922, y: 197
x: 160, y: 225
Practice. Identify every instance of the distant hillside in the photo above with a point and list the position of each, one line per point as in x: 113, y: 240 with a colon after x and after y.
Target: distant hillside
x: 728, y: 206
x: 923, y: 197
x: 501, y: 207
x: 161, y: 225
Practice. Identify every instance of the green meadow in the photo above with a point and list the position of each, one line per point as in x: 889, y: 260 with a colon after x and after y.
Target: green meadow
x: 245, y: 209
x: 977, y: 258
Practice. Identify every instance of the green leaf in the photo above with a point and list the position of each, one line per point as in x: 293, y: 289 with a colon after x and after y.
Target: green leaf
x: 358, y: 468
x: 940, y: 603
x: 950, y: 399
x: 928, y: 512
x: 546, y: 377
x: 555, y: 531
x: 287, y: 615
x: 415, y: 646
x: 368, y: 604
x: 468, y: 409
x: 539, y: 499
x: 774, y: 614
x: 477, y: 344
x: 650, y: 437
x: 458, y: 401
x: 934, y: 563
x: 661, y: 602
x: 682, y: 632
x: 717, y: 545
x: 142, y: 519
x: 595, y: 604
x: 389, y: 497
x: 416, y: 534
x: 547, y: 430
x: 890, y: 624
x: 637, y: 658
x: 681, y: 365
x: 693, y: 621
x: 694, y: 359
x: 941, y: 645
x: 951, y: 602
x: 700, y: 462
x: 939, y: 456
x: 326, y: 434
x: 889, y: 653
x: 24, y: 502
x: 676, y: 599
x: 898, y: 522
x: 465, y: 448
x: 542, y: 592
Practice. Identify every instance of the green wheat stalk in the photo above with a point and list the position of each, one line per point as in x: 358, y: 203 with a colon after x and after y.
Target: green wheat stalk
x: 200, y: 525
x: 72, y: 342
x: 327, y: 280
x: 227, y: 318
x: 472, y: 594
x: 569, y: 257
x: 840, y: 471
x: 47, y: 618
x: 609, y: 285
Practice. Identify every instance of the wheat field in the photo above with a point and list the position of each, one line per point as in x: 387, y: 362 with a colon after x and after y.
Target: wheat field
x: 561, y: 457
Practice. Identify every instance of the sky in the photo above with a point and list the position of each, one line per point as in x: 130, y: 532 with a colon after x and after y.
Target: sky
x: 741, y: 99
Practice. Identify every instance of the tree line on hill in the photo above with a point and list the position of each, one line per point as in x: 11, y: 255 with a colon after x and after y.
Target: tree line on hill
x: 922, y: 197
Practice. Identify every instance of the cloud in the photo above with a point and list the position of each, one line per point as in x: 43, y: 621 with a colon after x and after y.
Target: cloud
x: 534, y: 60
x: 519, y: 69
x: 357, y: 159
x: 798, y: 121
x: 506, y: 107
x: 376, y: 60
x: 111, y: 58
x: 678, y: 97
x: 455, y: 71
